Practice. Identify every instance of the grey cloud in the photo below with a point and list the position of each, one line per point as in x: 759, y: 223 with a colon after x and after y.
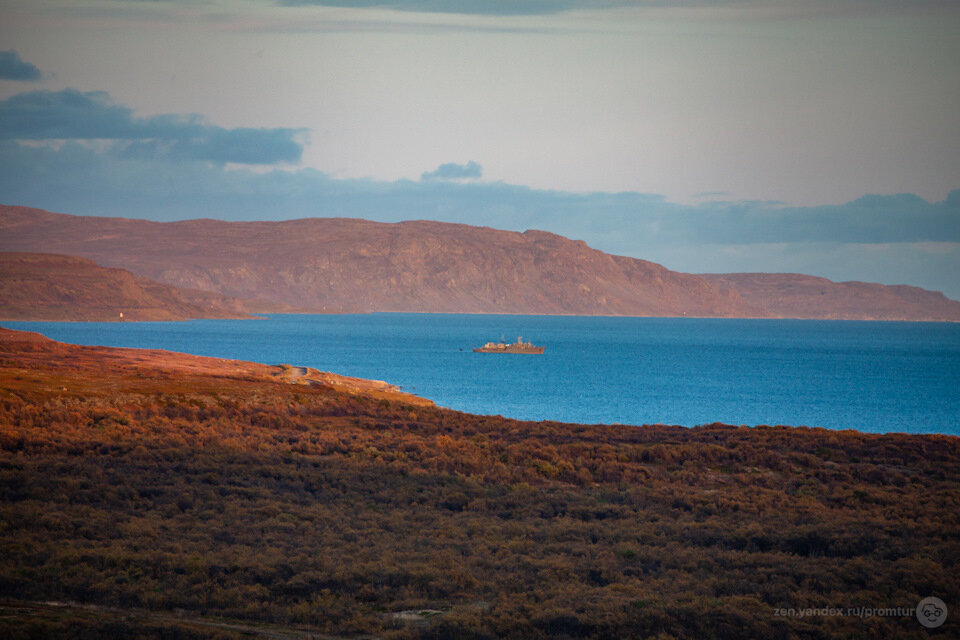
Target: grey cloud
x: 471, y: 7
x: 454, y: 171
x: 249, y: 146
x: 74, y: 115
x: 171, y: 10
x: 546, y: 7
x: 240, y: 146
x: 870, y: 219
x: 51, y: 177
x: 12, y: 67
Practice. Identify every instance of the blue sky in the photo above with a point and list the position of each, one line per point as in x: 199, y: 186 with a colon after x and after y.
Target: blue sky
x: 720, y: 136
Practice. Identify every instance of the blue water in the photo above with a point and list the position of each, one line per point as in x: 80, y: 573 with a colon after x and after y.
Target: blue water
x: 870, y: 376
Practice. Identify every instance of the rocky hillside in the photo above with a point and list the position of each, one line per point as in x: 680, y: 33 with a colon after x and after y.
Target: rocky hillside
x: 37, y: 286
x: 347, y: 264
x: 792, y: 295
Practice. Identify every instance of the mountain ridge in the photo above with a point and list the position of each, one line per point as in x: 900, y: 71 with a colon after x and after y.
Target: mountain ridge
x: 796, y: 295
x: 356, y: 265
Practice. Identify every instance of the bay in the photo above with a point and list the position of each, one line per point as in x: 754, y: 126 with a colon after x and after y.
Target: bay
x: 869, y: 376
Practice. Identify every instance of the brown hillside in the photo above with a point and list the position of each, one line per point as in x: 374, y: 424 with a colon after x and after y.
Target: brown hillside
x: 37, y: 286
x: 346, y: 264
x: 337, y: 264
x: 792, y: 295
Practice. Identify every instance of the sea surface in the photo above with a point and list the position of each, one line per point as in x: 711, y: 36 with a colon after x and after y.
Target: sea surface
x: 869, y: 376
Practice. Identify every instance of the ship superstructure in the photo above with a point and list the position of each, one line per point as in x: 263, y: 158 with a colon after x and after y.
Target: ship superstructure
x: 514, y: 347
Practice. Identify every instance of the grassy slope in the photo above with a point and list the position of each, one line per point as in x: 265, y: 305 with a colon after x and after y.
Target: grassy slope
x: 149, y: 481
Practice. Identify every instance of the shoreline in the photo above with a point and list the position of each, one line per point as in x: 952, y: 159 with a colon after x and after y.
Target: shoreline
x: 175, y: 361
x: 265, y: 315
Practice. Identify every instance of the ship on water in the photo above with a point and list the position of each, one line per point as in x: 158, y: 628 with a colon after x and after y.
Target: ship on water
x: 516, y: 347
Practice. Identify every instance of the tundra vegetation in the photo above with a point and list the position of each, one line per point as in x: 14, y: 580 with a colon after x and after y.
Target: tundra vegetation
x: 220, y: 503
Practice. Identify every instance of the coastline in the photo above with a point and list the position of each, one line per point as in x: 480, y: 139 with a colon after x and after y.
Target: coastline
x: 260, y: 315
x: 604, y: 370
x: 169, y: 362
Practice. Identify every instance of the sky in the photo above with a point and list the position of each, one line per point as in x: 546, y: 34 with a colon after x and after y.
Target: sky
x: 805, y: 136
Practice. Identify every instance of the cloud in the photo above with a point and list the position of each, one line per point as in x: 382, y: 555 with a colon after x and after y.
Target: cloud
x: 72, y: 114
x: 870, y: 219
x: 78, y: 178
x: 12, y: 67
x: 453, y: 171
x: 75, y: 115
x: 240, y: 146
x: 49, y: 176
x: 471, y: 7
x: 175, y: 167
x: 547, y: 7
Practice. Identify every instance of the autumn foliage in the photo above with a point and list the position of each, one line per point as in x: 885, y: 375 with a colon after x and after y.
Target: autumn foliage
x: 215, y: 490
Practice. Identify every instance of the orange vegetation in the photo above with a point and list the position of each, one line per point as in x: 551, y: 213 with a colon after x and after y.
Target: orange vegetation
x: 154, y: 481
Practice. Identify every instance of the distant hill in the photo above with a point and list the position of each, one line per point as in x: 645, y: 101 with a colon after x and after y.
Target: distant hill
x: 37, y: 286
x: 347, y: 264
x: 793, y: 295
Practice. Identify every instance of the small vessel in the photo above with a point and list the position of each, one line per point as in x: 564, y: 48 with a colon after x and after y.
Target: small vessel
x: 516, y: 347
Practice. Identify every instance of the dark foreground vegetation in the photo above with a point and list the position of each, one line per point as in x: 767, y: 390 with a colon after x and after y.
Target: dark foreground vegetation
x: 192, y: 505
